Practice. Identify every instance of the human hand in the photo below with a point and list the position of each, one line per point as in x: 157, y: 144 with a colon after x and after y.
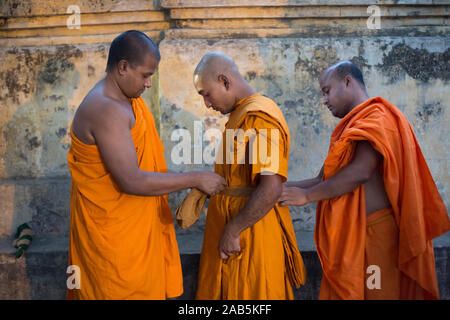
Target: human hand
x: 209, y: 182
x: 230, y: 243
x: 293, y: 196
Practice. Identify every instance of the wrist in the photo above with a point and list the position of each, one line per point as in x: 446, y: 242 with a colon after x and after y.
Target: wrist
x: 233, y: 229
x: 308, y: 196
x: 193, y: 179
x: 289, y: 184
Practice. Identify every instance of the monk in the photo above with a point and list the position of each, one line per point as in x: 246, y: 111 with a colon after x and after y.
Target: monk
x: 122, y: 239
x: 249, y: 247
x: 378, y: 208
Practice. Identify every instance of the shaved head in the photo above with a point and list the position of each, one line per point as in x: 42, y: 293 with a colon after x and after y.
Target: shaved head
x: 218, y: 80
x: 214, y: 64
x: 343, y: 88
x: 343, y: 69
x: 132, y: 46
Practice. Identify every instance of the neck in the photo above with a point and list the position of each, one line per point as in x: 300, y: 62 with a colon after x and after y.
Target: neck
x: 244, y: 91
x: 112, y: 88
x: 361, y: 97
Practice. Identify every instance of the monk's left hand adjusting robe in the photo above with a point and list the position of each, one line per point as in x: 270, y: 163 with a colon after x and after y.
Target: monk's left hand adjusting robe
x: 124, y: 245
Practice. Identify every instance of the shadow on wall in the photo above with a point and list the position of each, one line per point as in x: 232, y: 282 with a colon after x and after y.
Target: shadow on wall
x: 37, y: 141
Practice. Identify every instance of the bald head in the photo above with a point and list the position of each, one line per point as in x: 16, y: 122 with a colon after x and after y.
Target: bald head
x: 342, y: 69
x: 343, y: 88
x: 214, y: 64
x: 132, y: 46
x: 218, y: 80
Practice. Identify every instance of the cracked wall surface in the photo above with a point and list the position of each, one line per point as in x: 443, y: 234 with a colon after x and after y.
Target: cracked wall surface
x: 47, y: 70
x: 287, y: 71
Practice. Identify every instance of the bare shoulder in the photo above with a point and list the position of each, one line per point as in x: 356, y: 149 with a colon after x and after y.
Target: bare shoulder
x: 96, y: 112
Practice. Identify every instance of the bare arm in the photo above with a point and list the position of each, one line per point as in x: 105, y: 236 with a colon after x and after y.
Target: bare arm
x: 305, y: 183
x: 261, y: 201
x: 113, y: 138
x: 357, y: 172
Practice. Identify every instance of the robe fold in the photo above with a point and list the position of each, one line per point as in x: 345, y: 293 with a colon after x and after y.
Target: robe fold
x: 342, y: 238
x: 124, y: 245
x: 270, y: 262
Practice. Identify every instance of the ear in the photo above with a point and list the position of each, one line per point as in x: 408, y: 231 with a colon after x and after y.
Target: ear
x: 347, y: 80
x: 224, y: 80
x: 122, y: 67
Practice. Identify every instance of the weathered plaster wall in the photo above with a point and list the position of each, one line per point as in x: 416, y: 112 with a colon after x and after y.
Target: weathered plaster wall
x: 43, y: 86
x: 287, y: 70
x: 280, y: 46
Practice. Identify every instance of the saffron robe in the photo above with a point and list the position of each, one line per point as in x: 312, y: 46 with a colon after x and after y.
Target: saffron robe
x: 270, y: 262
x: 419, y: 212
x: 124, y: 245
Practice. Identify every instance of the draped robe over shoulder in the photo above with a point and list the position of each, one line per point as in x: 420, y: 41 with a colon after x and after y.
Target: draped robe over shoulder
x: 418, y: 210
x: 124, y: 245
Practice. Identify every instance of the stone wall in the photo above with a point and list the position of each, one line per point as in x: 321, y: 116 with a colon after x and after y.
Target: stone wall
x: 280, y: 47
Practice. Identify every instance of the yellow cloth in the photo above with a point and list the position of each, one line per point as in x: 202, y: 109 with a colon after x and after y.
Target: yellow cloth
x: 269, y: 248
x: 189, y: 210
x: 124, y: 245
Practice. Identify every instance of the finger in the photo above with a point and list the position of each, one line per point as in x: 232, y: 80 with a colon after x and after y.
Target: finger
x: 223, y: 255
x: 282, y: 204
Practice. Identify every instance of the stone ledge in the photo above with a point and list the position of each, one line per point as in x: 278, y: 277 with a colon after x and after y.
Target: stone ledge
x: 29, y: 8
x: 354, y: 11
x: 192, y: 243
x: 169, y: 4
x: 41, y: 274
x: 87, y: 19
x: 74, y: 39
x: 307, y: 32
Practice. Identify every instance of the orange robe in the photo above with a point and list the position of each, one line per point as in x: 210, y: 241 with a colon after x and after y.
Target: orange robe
x: 348, y: 241
x: 260, y: 271
x: 124, y: 245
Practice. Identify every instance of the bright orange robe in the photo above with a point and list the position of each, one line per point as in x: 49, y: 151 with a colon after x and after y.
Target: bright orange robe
x: 124, y: 244
x: 260, y: 270
x: 342, y: 242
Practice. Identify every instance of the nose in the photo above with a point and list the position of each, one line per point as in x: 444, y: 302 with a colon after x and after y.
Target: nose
x: 148, y: 83
x: 208, y: 103
x: 325, y: 100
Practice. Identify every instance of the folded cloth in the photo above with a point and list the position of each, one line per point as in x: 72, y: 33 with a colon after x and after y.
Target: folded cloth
x: 189, y: 210
x: 22, y: 240
x: 295, y: 267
